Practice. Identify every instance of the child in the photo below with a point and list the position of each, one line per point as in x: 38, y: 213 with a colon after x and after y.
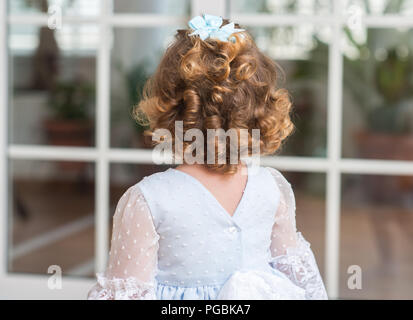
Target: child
x: 206, y: 230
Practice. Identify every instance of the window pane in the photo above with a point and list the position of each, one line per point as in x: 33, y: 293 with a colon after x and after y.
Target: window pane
x: 135, y: 55
x: 52, y: 84
x: 51, y: 217
x: 309, y: 192
x: 379, y: 7
x: 302, y: 53
x: 376, y: 224
x: 378, y: 100
x: 68, y: 7
x: 171, y: 7
x: 307, y: 7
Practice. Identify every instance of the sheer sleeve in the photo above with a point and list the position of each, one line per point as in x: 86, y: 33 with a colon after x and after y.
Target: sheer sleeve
x: 290, y: 252
x: 132, y: 266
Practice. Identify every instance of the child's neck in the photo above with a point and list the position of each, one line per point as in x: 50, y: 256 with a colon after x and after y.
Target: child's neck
x: 226, y: 188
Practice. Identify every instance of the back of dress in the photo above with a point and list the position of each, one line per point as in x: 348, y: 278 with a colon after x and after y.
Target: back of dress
x: 200, y: 243
x: 173, y: 240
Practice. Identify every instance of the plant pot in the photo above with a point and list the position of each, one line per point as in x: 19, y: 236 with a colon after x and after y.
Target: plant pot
x: 372, y: 145
x: 65, y: 132
x: 386, y: 146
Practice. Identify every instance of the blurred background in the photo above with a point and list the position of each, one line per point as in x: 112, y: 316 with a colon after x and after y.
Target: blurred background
x: 73, y: 147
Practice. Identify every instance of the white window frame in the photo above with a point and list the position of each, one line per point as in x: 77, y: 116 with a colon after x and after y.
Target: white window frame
x: 35, y: 286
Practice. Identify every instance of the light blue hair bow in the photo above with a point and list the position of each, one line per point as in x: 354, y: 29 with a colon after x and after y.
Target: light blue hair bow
x: 209, y: 26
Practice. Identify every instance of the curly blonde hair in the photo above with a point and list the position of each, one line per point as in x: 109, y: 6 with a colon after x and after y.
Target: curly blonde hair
x: 212, y: 84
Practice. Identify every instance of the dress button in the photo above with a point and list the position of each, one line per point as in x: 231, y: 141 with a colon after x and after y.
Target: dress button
x: 232, y: 229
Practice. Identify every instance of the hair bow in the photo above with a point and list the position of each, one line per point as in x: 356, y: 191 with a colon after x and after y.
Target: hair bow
x: 209, y: 26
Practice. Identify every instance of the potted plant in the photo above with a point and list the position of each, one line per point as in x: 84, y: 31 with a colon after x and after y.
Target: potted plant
x: 386, y: 104
x: 389, y: 125
x: 70, y: 123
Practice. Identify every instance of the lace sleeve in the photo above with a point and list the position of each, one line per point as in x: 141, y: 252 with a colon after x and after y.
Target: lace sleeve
x: 290, y: 252
x: 133, y: 255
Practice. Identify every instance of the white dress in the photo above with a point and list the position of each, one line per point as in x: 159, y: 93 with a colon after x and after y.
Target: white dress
x: 173, y: 240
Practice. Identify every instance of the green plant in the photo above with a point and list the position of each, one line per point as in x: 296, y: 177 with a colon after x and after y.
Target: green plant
x: 381, y: 86
x: 71, y: 100
x: 394, y: 85
x: 136, y: 79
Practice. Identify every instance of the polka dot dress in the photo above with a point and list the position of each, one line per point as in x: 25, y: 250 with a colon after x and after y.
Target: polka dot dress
x: 173, y: 240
